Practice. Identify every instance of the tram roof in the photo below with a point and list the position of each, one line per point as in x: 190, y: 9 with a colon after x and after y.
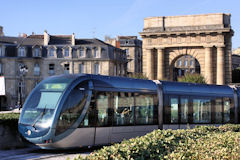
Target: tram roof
x: 114, y: 83
x: 196, y: 89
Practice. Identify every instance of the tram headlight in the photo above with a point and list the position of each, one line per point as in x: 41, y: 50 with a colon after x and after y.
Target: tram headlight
x: 29, y: 132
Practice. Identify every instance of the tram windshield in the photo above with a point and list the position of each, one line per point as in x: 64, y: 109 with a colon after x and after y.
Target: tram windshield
x: 39, y: 109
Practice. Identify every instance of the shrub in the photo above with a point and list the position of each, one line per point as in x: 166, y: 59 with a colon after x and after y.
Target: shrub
x: 192, y: 78
x: 204, y: 142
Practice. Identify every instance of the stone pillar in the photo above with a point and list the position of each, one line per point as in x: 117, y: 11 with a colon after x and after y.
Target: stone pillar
x: 150, y: 64
x: 160, y: 64
x: 220, y: 66
x: 208, y: 65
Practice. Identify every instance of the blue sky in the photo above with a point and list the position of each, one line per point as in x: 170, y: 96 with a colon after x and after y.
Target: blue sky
x: 97, y: 18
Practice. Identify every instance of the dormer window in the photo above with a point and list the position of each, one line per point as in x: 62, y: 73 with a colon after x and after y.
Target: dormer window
x: 36, y: 52
x: 96, y: 53
x: 66, y: 52
x: 81, y: 52
x: 21, y: 52
x: 51, y: 52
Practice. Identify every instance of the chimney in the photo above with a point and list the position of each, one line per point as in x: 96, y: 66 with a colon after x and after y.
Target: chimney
x: 73, y: 39
x: 24, y: 35
x: 46, y: 38
x: 1, y: 31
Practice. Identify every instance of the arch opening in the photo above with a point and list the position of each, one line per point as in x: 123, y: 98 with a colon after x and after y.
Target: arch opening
x: 184, y: 64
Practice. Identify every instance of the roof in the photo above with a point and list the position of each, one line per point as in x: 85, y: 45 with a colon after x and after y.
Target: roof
x: 90, y: 41
x: 21, y: 40
x: 196, y: 89
x: 60, y: 39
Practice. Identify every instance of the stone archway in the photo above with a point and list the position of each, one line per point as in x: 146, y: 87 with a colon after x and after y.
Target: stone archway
x: 205, y: 37
x: 176, y: 53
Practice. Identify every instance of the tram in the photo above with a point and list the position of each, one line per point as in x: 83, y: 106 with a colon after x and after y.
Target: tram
x: 69, y: 111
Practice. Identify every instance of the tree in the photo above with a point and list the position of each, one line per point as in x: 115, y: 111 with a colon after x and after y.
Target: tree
x: 192, y: 78
x: 137, y: 76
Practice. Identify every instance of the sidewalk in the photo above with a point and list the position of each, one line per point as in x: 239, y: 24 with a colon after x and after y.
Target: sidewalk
x: 12, y: 111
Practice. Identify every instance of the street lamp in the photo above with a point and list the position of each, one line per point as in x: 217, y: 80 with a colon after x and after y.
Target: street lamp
x: 23, y: 69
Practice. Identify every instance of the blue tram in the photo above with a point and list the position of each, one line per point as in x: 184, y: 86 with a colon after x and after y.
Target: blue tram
x: 85, y: 110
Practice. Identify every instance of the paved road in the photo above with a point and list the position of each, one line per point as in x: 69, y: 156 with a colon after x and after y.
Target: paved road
x: 35, y: 154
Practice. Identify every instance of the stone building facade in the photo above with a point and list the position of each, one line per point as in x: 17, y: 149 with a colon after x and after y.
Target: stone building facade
x: 207, y: 38
x: 133, y: 47
x: 47, y: 55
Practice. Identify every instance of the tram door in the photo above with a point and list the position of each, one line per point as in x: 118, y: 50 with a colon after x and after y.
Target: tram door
x: 103, y: 118
x: 184, y: 108
x: 179, y: 112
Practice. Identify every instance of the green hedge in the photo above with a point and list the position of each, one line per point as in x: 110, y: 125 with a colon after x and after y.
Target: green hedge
x: 204, y: 142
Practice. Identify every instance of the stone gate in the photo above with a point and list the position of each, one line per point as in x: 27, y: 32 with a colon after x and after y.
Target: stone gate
x: 205, y: 37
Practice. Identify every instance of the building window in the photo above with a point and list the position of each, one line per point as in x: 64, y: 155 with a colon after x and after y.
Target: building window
x: 96, y: 53
x: 36, y: 52
x: 81, y: 52
x: 51, y: 69
x: 185, y: 63
x: 1, y: 52
x: 179, y: 63
x: 21, y: 52
x: 88, y: 52
x: 179, y: 72
x: 81, y: 68
x: 66, y: 52
x: 96, y: 68
x: 191, y: 63
x: 1, y: 69
x: 36, y: 69
x: 66, y: 68
x: 51, y: 52
x: 127, y: 52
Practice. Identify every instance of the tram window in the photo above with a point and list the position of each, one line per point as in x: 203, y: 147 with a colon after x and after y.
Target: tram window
x: 201, y: 110
x: 123, y: 109
x: 72, y: 109
x: 227, y: 109
x: 184, y: 110
x: 174, y: 110
x: 102, y: 103
x: 90, y: 117
x: 218, y: 111
x: 145, y: 106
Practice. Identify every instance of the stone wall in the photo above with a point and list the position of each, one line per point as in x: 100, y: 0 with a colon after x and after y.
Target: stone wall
x: 10, y: 139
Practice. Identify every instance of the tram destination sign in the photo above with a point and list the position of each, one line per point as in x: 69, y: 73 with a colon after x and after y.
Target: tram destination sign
x: 55, y: 86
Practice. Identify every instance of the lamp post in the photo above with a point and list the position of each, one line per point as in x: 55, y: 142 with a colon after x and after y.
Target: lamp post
x: 23, y: 69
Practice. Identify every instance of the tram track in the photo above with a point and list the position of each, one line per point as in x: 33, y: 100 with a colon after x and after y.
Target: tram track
x: 38, y: 154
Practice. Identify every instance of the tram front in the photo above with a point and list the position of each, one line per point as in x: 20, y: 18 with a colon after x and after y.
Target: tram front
x: 38, y: 112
